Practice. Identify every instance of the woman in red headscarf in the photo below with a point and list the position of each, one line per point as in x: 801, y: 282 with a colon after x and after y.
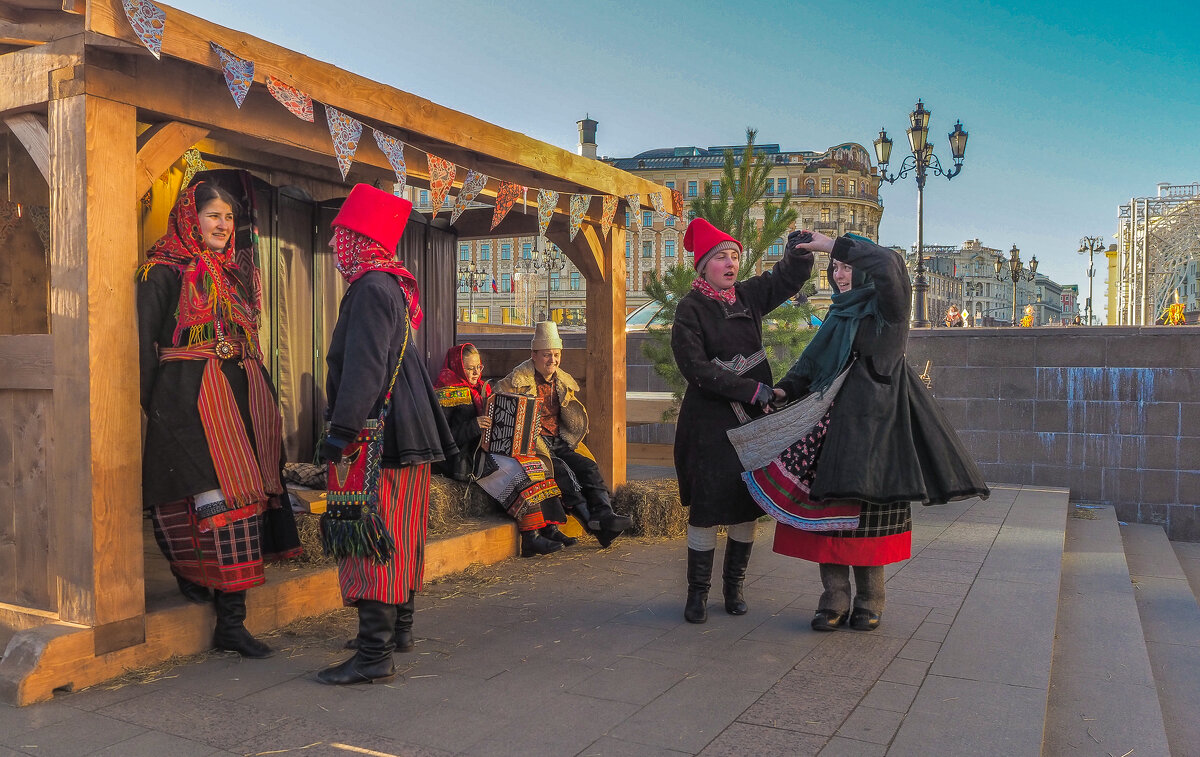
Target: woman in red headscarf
x: 520, y: 485
x: 210, y: 473
x: 370, y: 368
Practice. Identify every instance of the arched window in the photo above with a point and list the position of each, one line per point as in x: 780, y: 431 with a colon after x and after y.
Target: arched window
x: 810, y: 186
x: 841, y: 187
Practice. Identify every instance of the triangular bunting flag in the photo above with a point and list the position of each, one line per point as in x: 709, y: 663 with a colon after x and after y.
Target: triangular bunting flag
x: 239, y: 73
x: 547, y: 202
x: 609, y: 212
x: 635, y: 206
x: 193, y: 164
x: 300, y: 104
x: 393, y: 150
x: 472, y: 186
x: 441, y: 176
x: 579, y: 206
x: 346, y: 131
x: 506, y: 197
x: 677, y: 198
x: 148, y: 22
x: 657, y: 202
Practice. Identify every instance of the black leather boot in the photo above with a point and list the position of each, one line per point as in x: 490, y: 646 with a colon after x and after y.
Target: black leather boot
x: 404, y: 624
x: 231, y: 635
x: 699, y: 578
x: 533, y: 543
x: 193, y: 592
x: 603, y: 522
x: 552, y: 533
x: 372, y: 662
x: 737, y: 557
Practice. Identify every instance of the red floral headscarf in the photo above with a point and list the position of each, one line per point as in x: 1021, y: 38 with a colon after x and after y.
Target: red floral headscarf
x: 357, y: 254
x: 453, y: 374
x: 211, y: 292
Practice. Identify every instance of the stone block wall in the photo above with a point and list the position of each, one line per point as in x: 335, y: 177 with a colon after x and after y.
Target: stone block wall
x: 1113, y: 413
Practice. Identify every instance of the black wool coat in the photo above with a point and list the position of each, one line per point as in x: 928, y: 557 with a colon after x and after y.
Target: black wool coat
x: 719, y: 351
x: 888, y: 440
x: 176, y: 462
x: 363, y: 351
x: 464, y: 426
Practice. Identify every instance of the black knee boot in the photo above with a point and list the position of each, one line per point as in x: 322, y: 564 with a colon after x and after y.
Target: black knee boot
x: 699, y: 578
x: 193, y: 592
x: 737, y: 557
x: 404, y: 624
x: 372, y: 662
x: 231, y: 634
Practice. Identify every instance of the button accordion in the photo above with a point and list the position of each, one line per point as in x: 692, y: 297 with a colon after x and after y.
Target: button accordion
x: 516, y: 420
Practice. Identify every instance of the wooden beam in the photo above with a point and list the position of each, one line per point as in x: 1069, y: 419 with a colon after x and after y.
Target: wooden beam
x: 26, y: 361
x: 27, y: 73
x: 159, y: 147
x: 95, y: 507
x: 606, y: 354
x: 36, y: 27
x: 30, y: 130
x: 424, y: 123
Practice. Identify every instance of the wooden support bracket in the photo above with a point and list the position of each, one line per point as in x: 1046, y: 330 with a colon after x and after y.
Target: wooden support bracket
x: 159, y: 147
x: 30, y: 129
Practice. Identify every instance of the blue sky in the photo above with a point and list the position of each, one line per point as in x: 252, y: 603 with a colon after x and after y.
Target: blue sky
x: 1072, y: 108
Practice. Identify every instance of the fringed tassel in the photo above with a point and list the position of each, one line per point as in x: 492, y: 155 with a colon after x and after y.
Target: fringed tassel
x: 365, y: 537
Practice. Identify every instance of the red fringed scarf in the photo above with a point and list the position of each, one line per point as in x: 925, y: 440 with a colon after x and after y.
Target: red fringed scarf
x: 708, y: 290
x: 357, y: 254
x: 452, y: 374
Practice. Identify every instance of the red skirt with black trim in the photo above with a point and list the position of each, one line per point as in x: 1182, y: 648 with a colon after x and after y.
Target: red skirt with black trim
x: 404, y: 506
x: 883, y: 536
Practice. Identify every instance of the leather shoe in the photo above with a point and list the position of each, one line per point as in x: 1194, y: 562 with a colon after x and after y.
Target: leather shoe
x: 552, y: 533
x: 828, y: 620
x: 533, y: 543
x: 864, y: 620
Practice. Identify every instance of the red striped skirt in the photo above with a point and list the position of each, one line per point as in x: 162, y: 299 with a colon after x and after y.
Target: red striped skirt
x: 226, y: 558
x: 404, y: 506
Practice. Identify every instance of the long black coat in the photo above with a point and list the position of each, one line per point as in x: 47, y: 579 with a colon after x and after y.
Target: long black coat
x: 888, y: 441
x: 364, y: 348
x: 177, y: 463
x: 719, y: 351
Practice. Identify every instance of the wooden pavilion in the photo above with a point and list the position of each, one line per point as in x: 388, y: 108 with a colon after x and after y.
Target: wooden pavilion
x: 93, y: 130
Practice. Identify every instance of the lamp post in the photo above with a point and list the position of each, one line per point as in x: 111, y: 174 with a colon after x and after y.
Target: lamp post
x: 473, y: 277
x: 1091, y: 245
x: 921, y: 162
x: 1016, y: 271
x: 543, y: 260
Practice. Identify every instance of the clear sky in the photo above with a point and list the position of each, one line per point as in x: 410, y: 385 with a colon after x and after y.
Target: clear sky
x: 1072, y: 107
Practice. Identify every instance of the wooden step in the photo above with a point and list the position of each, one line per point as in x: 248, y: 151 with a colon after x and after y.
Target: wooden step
x: 1102, y: 694
x: 1171, y: 626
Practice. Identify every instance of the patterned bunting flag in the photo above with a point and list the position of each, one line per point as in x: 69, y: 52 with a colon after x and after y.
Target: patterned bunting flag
x: 239, y: 73
x: 506, y: 197
x: 610, y: 212
x: 441, y: 176
x: 472, y: 186
x: 393, y: 150
x: 346, y: 131
x: 656, y: 201
x: 677, y: 198
x: 547, y: 202
x: 579, y: 206
x: 635, y: 205
x: 193, y: 164
x: 148, y: 22
x: 300, y: 104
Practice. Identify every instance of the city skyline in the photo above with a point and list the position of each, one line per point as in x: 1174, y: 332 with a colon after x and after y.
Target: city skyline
x: 1071, y: 109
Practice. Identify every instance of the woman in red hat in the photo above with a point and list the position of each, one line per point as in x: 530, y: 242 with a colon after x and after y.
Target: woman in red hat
x: 369, y: 368
x: 210, y: 473
x: 717, y: 341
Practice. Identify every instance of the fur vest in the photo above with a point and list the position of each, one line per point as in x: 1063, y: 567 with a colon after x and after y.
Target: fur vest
x: 572, y: 416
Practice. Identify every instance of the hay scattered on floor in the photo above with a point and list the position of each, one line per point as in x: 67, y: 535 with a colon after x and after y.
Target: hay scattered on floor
x: 654, y: 506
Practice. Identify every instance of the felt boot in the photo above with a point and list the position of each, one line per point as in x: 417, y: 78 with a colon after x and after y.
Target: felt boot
x: 737, y: 558
x: 835, y: 599
x: 868, y: 597
x: 372, y: 661
x: 699, y: 578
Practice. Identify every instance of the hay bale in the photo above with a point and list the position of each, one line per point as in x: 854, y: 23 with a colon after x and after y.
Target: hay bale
x: 453, y: 502
x: 654, y: 506
x: 308, y: 525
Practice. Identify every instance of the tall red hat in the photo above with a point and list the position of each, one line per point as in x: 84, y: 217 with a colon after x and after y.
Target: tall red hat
x: 703, y: 239
x: 376, y: 214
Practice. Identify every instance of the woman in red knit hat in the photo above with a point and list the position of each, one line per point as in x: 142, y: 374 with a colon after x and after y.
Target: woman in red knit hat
x: 717, y: 342
x: 370, y: 369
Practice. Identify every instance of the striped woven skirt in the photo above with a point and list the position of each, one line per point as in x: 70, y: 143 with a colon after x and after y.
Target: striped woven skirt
x: 404, y: 506
x: 226, y: 558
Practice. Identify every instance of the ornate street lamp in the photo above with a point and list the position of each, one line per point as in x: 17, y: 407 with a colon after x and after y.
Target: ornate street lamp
x: 473, y: 277
x: 1016, y: 271
x: 1091, y: 245
x: 921, y: 162
x: 544, y: 260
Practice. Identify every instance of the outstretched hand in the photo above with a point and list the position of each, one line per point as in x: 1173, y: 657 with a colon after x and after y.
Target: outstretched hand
x: 810, y: 240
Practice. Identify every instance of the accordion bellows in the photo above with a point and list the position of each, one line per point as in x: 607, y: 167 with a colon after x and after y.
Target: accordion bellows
x: 515, y: 423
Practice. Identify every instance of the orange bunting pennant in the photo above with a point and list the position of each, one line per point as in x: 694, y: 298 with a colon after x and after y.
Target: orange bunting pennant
x: 441, y: 177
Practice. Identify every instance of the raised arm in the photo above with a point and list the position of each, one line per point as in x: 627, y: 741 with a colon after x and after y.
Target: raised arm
x: 772, y: 288
x: 886, y: 268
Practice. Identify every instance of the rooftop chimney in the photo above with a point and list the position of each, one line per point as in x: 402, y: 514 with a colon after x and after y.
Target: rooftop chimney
x: 587, y: 137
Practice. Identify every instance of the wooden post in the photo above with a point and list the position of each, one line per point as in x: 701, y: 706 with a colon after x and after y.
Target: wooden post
x: 606, y: 353
x: 95, y: 507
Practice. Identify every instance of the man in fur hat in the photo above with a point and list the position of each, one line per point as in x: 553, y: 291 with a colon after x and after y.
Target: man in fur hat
x: 564, y: 423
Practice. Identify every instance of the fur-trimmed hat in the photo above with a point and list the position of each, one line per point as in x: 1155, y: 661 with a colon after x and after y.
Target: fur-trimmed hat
x: 375, y: 214
x: 703, y: 239
x: 545, y: 336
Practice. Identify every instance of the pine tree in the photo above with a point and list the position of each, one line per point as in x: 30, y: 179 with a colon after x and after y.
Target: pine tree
x: 743, y: 184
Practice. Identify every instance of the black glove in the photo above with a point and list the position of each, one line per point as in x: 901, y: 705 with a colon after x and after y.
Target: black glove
x: 799, y: 237
x: 331, y: 450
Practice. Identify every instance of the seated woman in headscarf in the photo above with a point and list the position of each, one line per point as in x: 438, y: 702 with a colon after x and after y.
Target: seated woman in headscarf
x: 520, y: 485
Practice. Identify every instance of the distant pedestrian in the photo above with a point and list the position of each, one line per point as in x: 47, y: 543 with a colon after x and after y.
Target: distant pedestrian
x: 954, y: 317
